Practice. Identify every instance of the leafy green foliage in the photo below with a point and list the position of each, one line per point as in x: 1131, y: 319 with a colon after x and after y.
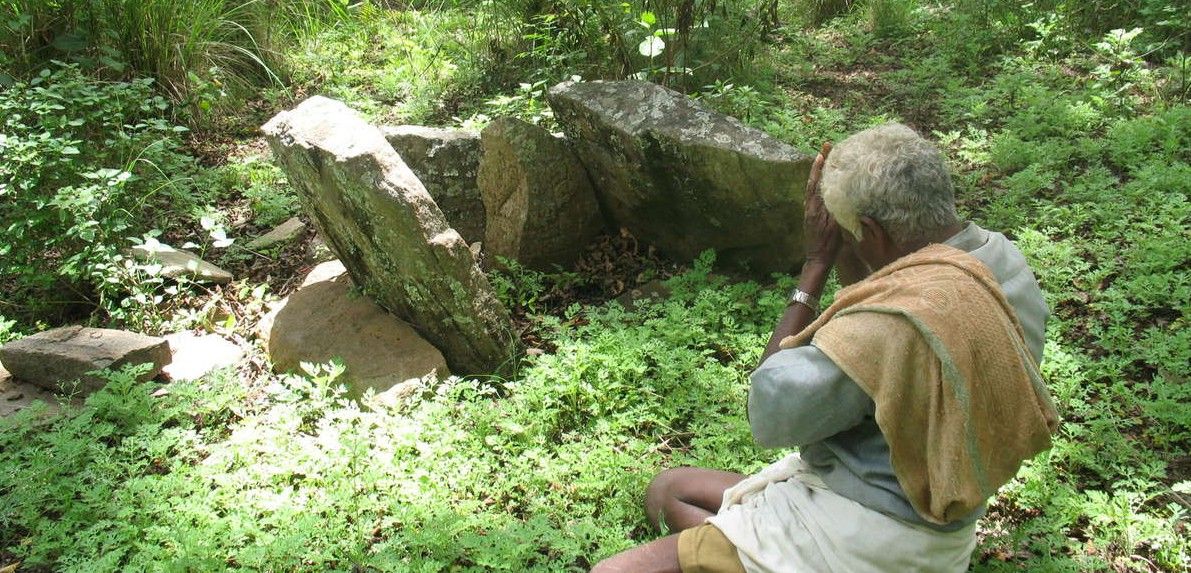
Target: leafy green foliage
x: 1068, y: 130
x: 194, y: 49
x: 84, y: 172
x: 285, y: 473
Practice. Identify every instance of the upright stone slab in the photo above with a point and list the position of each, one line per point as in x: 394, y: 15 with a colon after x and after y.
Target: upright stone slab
x: 54, y: 359
x: 393, y: 239
x: 684, y: 178
x: 540, y: 206
x: 446, y: 160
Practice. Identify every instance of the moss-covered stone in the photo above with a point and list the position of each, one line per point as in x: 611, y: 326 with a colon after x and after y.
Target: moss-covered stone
x: 685, y: 178
x: 387, y: 230
x: 540, y: 206
x: 446, y: 161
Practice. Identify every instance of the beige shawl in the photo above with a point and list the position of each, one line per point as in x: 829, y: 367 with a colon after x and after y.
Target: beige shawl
x: 933, y: 341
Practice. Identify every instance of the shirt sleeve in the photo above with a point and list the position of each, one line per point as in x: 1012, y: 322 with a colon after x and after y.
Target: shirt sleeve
x: 799, y: 396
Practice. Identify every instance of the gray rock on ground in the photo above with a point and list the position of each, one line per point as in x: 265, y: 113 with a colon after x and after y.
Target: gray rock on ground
x: 684, y: 178
x: 16, y: 396
x: 540, y: 207
x: 285, y: 233
x: 54, y: 359
x: 446, y: 161
x: 325, y: 318
x: 177, y: 263
x: 195, y: 355
x: 391, y: 236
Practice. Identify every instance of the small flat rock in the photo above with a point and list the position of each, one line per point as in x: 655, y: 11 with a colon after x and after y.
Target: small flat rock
x: 54, y: 359
x: 326, y: 318
x: 177, y: 263
x: 195, y: 355
x: 284, y: 233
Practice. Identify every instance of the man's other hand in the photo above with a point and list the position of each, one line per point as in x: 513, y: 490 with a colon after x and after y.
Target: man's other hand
x: 821, y: 232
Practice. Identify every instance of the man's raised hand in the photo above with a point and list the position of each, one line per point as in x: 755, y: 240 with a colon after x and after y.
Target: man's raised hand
x: 820, y: 231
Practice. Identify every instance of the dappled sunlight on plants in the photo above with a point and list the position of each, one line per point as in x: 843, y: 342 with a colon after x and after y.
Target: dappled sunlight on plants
x: 1066, y: 124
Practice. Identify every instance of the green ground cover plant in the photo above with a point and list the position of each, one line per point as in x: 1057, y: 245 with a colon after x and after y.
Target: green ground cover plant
x: 1068, y: 127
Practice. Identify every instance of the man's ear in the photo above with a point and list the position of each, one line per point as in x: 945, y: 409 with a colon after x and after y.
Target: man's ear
x: 872, y: 233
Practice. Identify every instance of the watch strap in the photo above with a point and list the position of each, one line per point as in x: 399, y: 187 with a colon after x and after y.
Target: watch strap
x: 802, y: 297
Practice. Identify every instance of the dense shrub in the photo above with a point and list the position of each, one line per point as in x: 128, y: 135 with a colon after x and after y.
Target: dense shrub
x: 194, y: 49
x: 87, y: 166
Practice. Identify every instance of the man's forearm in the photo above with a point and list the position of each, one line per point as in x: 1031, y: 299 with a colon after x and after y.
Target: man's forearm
x: 797, y: 316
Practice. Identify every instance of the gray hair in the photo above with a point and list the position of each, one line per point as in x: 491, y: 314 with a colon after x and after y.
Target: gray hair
x: 893, y: 175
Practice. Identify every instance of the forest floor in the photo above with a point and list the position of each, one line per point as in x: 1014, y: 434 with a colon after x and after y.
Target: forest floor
x: 1087, y: 171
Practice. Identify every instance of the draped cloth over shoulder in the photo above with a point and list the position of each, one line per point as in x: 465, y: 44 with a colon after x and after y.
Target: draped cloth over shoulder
x: 935, y: 344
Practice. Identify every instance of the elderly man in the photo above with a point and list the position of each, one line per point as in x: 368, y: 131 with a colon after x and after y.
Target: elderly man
x: 912, y: 398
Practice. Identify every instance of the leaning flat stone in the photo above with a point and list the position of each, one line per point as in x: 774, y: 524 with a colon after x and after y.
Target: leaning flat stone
x: 389, y: 233
x: 326, y: 319
x: 195, y: 355
x: 540, y: 206
x: 54, y: 359
x: 446, y: 160
x: 284, y: 233
x: 177, y: 263
x: 685, y: 178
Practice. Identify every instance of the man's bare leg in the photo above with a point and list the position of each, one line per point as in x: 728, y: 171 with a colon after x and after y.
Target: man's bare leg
x: 658, y: 556
x: 681, y: 498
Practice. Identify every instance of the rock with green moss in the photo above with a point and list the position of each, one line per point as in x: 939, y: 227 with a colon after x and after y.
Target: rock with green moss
x: 541, y: 209
x: 386, y: 229
x: 685, y: 178
x: 446, y: 161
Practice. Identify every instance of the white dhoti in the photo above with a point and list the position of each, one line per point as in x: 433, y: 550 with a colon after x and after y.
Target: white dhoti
x: 784, y: 519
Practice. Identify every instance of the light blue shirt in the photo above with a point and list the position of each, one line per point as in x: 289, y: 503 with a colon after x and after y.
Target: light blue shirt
x: 800, y: 397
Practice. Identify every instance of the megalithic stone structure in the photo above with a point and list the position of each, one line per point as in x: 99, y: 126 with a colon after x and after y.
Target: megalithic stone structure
x: 541, y: 209
x: 685, y: 178
x: 387, y: 230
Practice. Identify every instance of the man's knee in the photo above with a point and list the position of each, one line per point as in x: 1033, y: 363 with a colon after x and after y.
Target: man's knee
x: 663, y: 482
x: 664, y: 486
x: 603, y: 567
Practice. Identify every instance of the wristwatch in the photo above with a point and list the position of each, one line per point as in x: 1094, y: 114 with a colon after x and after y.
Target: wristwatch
x: 801, y: 297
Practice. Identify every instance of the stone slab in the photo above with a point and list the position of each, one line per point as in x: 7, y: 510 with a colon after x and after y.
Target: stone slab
x: 328, y: 318
x: 54, y: 359
x: 685, y: 178
x: 446, y: 161
x: 541, y: 209
x: 390, y: 234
